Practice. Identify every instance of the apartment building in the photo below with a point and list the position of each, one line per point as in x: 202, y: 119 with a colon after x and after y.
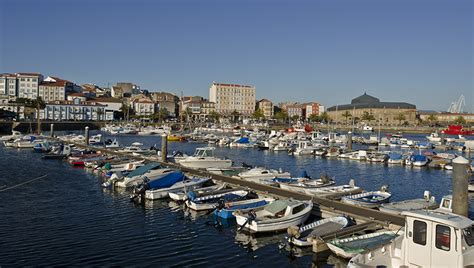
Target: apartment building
x: 8, y: 85
x: 28, y: 84
x: 233, y: 97
x: 54, y: 89
x: 266, y: 107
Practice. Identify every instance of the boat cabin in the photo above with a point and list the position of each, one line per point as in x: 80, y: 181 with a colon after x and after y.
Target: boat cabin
x: 204, y: 152
x: 437, y: 238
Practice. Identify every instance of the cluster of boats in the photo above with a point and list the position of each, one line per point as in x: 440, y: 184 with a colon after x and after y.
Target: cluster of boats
x: 133, y: 129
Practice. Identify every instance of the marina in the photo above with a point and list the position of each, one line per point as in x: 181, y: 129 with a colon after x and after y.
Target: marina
x: 287, y: 164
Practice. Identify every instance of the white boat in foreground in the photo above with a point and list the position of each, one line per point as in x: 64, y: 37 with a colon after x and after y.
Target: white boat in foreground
x: 204, y: 158
x: 351, y: 246
x: 276, y: 216
x: 299, y: 236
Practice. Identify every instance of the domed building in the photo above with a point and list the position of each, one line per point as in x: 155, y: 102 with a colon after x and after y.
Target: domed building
x: 387, y: 112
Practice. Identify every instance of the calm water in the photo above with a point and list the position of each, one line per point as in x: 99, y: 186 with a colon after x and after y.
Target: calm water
x: 67, y: 218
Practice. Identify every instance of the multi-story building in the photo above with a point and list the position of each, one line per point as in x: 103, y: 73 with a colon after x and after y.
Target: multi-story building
x: 28, y: 84
x: 143, y: 107
x: 54, y: 89
x: 232, y: 97
x: 8, y: 85
x: 312, y: 108
x: 113, y: 107
x: 386, y: 113
x: 444, y: 117
x: 73, y: 110
x: 128, y: 88
x: 296, y: 110
x: 198, y: 107
x: 165, y: 100
x: 266, y: 107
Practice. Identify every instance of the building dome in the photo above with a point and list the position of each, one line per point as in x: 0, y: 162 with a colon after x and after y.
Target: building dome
x: 364, y: 99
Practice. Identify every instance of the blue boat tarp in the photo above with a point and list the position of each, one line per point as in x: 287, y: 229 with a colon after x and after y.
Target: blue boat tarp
x: 243, y: 140
x: 143, y: 169
x: 418, y: 158
x: 285, y: 180
x: 166, y: 181
x: 394, y: 156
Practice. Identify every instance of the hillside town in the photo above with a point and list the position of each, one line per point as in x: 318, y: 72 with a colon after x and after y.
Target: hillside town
x: 25, y: 96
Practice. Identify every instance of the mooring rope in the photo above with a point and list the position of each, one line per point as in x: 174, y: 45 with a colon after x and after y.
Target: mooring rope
x: 23, y: 183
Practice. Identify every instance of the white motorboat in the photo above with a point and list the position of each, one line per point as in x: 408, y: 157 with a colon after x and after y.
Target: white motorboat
x: 204, y: 158
x: 305, y: 148
x: 432, y: 238
x: 306, y: 184
x: 299, y: 235
x: 276, y: 216
x: 133, y: 181
x: 427, y: 202
x: 182, y: 194
x: 434, y: 137
x: 360, y: 155
x: 15, y: 135
x: 281, y: 146
x: 262, y: 175
x: 371, y: 199
x: 208, y: 202
x: 351, y: 246
x: 186, y: 185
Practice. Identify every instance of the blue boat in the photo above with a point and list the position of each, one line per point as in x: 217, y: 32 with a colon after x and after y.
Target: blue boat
x: 209, y: 202
x: 163, y: 181
x: 227, y: 209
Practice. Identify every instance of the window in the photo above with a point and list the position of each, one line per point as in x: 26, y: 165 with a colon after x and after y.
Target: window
x: 443, y: 237
x: 419, y: 232
x: 298, y: 209
x: 468, y: 234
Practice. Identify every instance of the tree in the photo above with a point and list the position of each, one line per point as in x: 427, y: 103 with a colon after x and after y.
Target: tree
x: 258, y: 114
x: 432, y: 119
x: 38, y: 104
x: 235, y: 116
x: 325, y: 117
x: 214, y: 116
x: 400, y: 117
x: 346, y: 115
x: 366, y: 116
x: 161, y: 114
x: 295, y: 118
x: 460, y: 120
x: 281, y: 115
x: 314, y: 118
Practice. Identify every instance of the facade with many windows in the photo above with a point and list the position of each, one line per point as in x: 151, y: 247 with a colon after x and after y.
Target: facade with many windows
x: 232, y: 97
x: 266, y: 107
x: 73, y: 110
x: 28, y: 84
x: 8, y: 85
x: 54, y: 89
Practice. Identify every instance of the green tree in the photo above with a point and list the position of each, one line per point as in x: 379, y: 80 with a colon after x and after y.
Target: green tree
x: 313, y: 118
x: 460, y: 120
x: 432, y: 119
x: 281, y: 115
x: 214, y: 116
x: 325, y: 117
x: 400, y: 117
x: 235, y: 116
x: 366, y: 116
x: 38, y: 104
x: 346, y: 115
x: 295, y: 118
x: 258, y: 114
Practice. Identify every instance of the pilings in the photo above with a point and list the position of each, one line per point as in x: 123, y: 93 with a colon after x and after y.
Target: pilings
x: 164, y: 148
x: 51, y: 130
x: 460, y: 183
x: 349, y: 141
x: 87, y: 135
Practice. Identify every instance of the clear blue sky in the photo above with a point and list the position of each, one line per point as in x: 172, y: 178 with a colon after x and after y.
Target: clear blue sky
x: 418, y: 51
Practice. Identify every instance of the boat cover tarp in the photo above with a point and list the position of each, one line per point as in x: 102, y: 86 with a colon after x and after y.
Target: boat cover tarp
x: 418, y: 158
x: 143, y: 169
x: 166, y: 181
x: 243, y: 140
x: 361, y: 245
x: 256, y: 204
x: 393, y: 155
x: 277, y: 206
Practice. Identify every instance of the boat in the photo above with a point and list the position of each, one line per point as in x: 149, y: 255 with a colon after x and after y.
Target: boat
x: 208, y: 202
x: 117, y: 177
x: 276, y: 216
x: 360, y: 155
x: 166, y: 180
x: 226, y: 210
x: 427, y: 202
x: 15, y: 135
x: 432, y: 238
x: 175, y: 138
x: 281, y: 146
x: 370, y: 199
x: 204, y: 158
x: 434, y: 137
x: 182, y: 195
x: 305, y: 148
x: 351, y: 246
x: 154, y: 174
x: 185, y: 185
x: 457, y: 130
x: 416, y: 160
x: 262, y: 175
x: 60, y: 152
x: 304, y: 183
x: 395, y: 158
x: 298, y: 236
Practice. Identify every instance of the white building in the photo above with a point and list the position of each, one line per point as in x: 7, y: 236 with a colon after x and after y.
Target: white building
x: 232, y: 97
x: 73, y: 110
x: 8, y: 85
x: 112, y: 105
x: 54, y: 89
x: 143, y: 107
x: 28, y: 84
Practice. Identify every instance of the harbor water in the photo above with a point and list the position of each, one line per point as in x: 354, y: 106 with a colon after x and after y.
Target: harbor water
x: 67, y: 218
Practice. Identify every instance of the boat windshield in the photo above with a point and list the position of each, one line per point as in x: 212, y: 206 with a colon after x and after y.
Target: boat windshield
x: 204, y: 153
x: 468, y: 234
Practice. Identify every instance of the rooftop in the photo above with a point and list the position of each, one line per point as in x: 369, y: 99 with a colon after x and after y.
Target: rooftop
x: 367, y: 101
x: 447, y: 218
x: 230, y: 85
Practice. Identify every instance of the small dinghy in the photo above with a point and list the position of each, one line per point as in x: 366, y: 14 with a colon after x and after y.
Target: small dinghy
x: 209, y: 202
x: 225, y: 210
x: 305, y: 183
x: 276, y: 216
x: 299, y: 236
x: 427, y: 202
x: 349, y: 247
x: 182, y: 195
x: 185, y: 185
x: 371, y: 199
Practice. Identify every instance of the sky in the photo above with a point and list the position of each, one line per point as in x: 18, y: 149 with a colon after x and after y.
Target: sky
x: 329, y: 51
